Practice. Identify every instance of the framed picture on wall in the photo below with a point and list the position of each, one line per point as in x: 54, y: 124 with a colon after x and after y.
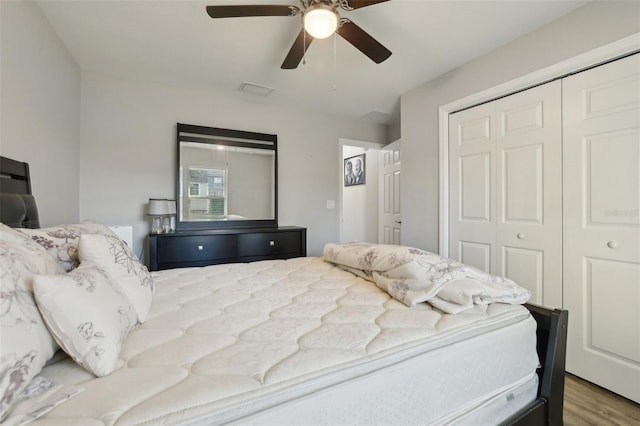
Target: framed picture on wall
x: 354, y: 170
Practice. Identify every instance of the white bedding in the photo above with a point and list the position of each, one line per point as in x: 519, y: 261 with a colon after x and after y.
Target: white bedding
x: 225, y: 342
x: 413, y: 276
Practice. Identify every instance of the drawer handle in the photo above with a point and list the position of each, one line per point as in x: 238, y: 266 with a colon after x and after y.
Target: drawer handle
x: 272, y: 243
x: 200, y: 248
x: 613, y: 244
x: 520, y: 236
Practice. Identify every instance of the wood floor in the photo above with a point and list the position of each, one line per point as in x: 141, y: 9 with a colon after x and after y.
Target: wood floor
x: 588, y: 404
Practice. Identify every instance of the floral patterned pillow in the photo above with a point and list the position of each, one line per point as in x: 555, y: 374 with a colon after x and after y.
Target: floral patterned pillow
x: 10, y: 234
x: 26, y: 341
x: 88, y: 315
x: 122, y: 266
x: 62, y: 241
x: 41, y: 396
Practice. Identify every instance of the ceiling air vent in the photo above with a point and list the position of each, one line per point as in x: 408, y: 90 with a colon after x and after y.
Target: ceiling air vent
x: 255, y: 89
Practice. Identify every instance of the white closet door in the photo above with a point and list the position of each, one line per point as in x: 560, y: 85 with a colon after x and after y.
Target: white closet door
x: 472, y: 217
x: 506, y: 189
x: 602, y: 224
x: 529, y: 191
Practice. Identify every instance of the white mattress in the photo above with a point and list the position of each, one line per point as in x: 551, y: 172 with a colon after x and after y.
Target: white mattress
x: 267, y: 341
x: 477, y: 378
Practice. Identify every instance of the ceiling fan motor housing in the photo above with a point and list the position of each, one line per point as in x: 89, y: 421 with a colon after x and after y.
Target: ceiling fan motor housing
x: 321, y: 19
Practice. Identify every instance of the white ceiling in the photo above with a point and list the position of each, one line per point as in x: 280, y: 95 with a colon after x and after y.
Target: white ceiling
x: 177, y: 42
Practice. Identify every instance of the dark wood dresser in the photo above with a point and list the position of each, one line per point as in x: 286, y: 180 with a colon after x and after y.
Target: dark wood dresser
x: 209, y: 247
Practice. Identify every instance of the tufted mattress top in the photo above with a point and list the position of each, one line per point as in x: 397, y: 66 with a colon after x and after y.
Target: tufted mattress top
x: 227, y: 341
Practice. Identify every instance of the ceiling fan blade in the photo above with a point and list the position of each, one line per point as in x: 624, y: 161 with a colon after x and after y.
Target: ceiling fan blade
x: 357, y: 4
x: 297, y: 51
x: 251, y: 10
x: 362, y: 41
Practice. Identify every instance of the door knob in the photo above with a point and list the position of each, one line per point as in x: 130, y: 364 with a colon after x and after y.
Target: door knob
x: 613, y: 244
x: 520, y: 236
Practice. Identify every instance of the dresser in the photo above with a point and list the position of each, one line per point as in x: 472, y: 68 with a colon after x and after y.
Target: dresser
x: 210, y: 247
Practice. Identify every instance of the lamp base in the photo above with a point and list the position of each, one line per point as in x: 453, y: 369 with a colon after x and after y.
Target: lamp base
x: 156, y: 225
x: 166, y: 224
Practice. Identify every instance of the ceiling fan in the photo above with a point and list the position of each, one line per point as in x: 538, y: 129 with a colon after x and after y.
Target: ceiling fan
x: 320, y: 19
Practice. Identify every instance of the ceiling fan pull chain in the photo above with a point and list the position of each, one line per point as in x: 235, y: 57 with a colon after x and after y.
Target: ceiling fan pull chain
x: 304, y: 47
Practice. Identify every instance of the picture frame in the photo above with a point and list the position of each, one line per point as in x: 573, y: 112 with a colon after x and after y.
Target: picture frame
x: 354, y: 170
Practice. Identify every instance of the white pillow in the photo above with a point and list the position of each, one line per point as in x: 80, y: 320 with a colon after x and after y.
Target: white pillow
x: 26, y: 343
x: 87, y: 314
x: 62, y: 241
x: 122, y: 266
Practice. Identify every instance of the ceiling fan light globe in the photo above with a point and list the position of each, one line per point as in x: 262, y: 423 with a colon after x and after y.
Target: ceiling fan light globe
x: 320, y: 22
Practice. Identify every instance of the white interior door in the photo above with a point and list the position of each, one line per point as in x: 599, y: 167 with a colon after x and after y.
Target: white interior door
x: 472, y: 210
x: 529, y: 191
x: 602, y: 224
x: 390, y: 214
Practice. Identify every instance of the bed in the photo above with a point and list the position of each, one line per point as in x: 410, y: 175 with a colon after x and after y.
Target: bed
x: 314, y: 340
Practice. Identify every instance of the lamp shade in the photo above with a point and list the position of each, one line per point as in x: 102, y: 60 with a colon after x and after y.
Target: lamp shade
x: 158, y: 207
x: 321, y: 21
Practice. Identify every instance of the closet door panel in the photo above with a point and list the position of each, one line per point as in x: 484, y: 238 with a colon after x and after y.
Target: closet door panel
x: 475, y: 254
x: 526, y: 267
x: 475, y: 187
x: 608, y: 311
x: 529, y: 191
x: 602, y: 224
x: 613, y: 190
x: 472, y: 181
x: 522, y: 185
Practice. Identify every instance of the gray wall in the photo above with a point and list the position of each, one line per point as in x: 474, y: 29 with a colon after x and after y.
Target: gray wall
x: 360, y: 207
x: 589, y: 27
x: 40, y: 109
x: 100, y: 146
x: 128, y: 150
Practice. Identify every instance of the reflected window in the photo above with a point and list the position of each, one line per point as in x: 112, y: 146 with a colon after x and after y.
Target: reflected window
x: 207, y: 193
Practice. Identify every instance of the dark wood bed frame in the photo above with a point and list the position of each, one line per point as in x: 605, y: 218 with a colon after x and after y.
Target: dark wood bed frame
x: 546, y: 409
x: 17, y: 204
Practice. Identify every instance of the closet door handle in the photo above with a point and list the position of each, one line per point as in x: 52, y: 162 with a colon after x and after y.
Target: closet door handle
x: 613, y: 244
x: 520, y: 236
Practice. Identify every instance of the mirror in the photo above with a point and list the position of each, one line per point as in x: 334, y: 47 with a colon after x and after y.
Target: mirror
x: 225, y: 178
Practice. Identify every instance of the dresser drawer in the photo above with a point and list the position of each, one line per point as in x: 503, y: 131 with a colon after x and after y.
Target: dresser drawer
x: 194, y: 248
x: 208, y: 247
x: 269, y: 243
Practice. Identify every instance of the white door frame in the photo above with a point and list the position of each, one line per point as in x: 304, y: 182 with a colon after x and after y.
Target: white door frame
x: 602, y: 54
x: 341, y: 143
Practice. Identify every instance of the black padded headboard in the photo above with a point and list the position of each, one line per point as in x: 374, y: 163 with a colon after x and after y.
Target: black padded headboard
x: 17, y: 205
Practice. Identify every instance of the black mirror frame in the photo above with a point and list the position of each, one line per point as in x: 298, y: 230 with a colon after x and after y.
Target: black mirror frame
x: 239, y: 138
